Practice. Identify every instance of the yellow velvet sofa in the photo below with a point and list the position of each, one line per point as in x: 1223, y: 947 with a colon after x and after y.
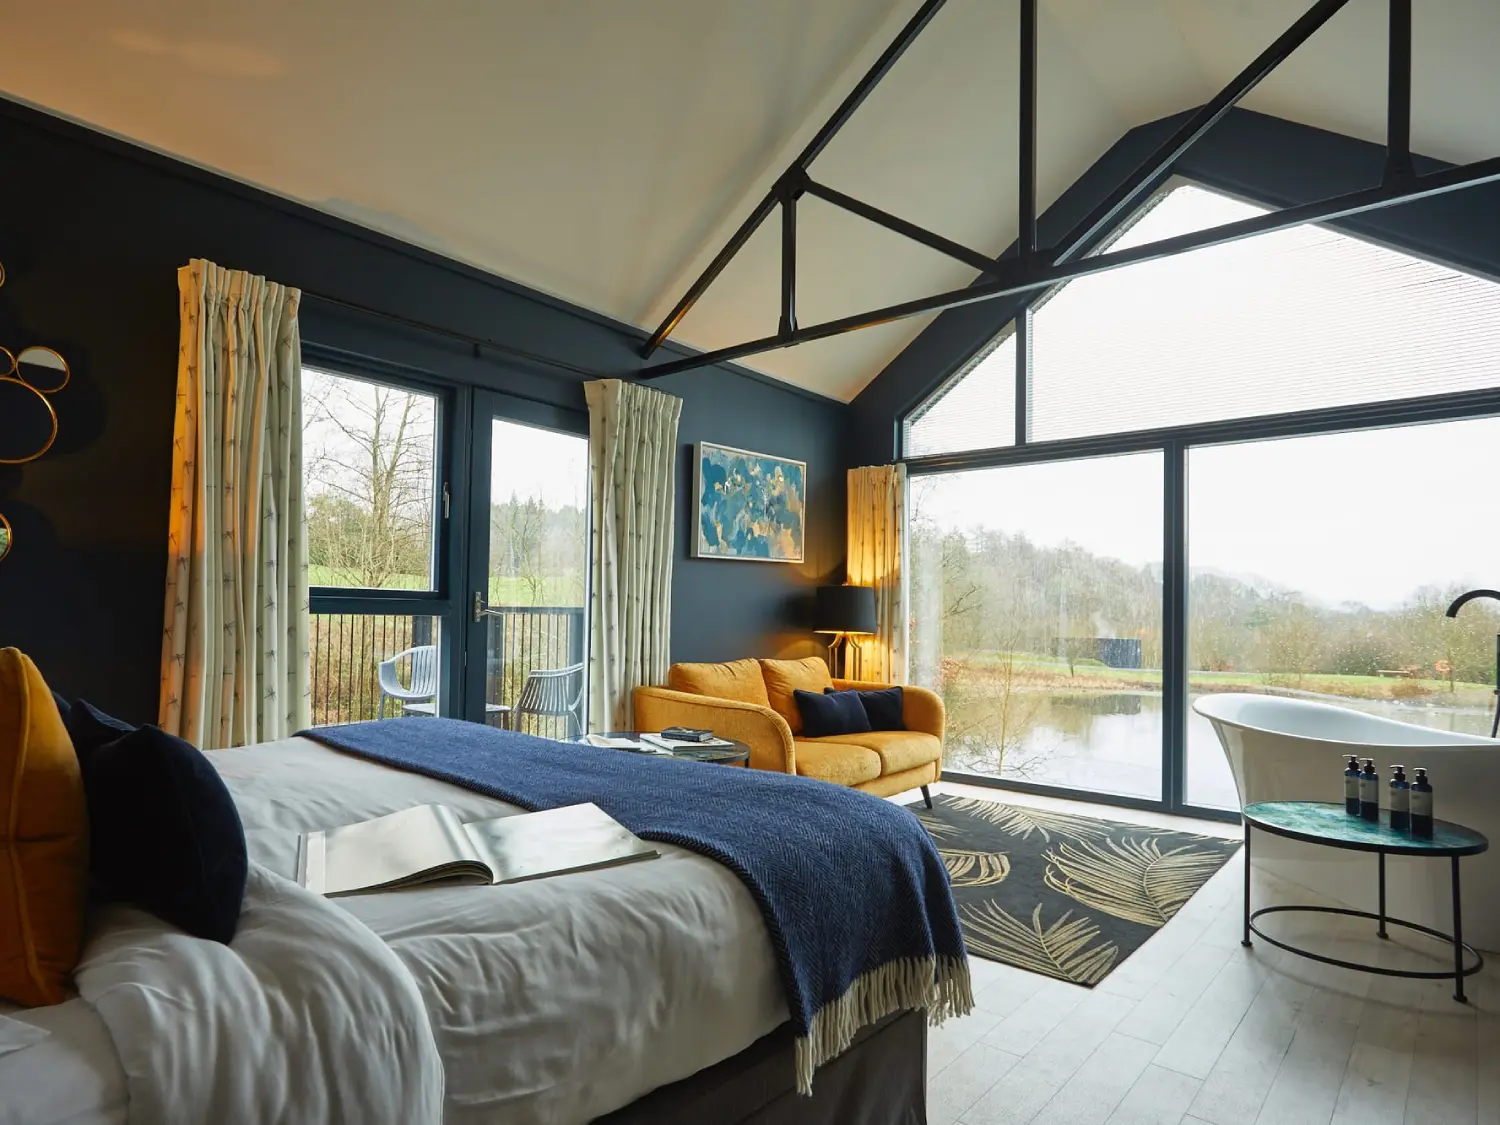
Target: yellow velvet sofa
x: 752, y: 701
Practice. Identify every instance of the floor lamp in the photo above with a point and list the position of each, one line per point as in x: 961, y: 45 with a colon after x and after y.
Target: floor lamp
x: 846, y: 612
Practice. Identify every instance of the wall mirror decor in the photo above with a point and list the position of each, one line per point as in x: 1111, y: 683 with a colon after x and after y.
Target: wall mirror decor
x: 28, y: 421
x: 42, y: 369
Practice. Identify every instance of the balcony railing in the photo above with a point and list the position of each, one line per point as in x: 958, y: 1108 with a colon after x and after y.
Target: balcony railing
x: 348, y: 648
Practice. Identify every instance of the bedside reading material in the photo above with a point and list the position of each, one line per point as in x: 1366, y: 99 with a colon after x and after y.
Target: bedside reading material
x: 429, y: 844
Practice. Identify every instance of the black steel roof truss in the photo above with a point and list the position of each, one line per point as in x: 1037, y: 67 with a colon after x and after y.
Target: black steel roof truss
x: 1032, y: 269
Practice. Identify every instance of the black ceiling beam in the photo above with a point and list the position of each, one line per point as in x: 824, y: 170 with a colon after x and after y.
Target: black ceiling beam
x: 788, y: 324
x: 1017, y: 278
x: 1398, y: 95
x: 1113, y: 210
x: 981, y: 262
x: 1026, y: 227
x: 814, y: 147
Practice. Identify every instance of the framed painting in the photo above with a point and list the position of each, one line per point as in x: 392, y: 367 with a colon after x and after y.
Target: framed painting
x: 749, y: 505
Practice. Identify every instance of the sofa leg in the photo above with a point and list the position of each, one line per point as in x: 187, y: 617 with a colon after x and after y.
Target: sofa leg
x: 926, y: 796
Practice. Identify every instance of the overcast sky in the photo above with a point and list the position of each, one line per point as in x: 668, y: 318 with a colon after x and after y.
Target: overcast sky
x: 1298, y: 319
x: 541, y: 463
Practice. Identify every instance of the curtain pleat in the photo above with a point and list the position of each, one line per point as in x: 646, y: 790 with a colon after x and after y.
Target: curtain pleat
x: 632, y: 453
x: 877, y: 536
x: 235, y: 641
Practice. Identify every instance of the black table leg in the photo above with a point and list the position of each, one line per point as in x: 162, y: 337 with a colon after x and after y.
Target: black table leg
x: 1381, y: 931
x: 1458, y: 940
x: 1245, y: 940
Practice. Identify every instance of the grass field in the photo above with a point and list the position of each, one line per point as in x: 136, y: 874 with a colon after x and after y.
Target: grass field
x: 1041, y: 672
x: 562, y: 590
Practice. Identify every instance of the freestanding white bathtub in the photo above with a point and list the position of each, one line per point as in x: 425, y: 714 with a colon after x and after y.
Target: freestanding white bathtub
x: 1295, y: 750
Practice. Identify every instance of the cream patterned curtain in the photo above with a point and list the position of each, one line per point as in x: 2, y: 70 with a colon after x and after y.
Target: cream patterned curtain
x: 235, y: 645
x: 632, y: 458
x: 877, y: 538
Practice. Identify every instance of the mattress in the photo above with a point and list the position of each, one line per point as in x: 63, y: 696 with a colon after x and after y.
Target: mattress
x: 553, y: 1001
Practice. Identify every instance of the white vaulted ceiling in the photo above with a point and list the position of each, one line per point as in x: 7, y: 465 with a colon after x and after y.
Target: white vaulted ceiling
x: 602, y: 150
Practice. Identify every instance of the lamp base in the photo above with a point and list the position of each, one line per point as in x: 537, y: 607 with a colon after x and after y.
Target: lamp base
x: 845, y: 660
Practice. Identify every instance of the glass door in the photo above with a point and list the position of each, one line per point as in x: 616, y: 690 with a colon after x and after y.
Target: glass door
x: 528, y: 567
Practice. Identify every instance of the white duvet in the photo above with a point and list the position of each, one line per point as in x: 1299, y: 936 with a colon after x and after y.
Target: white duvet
x: 553, y: 1001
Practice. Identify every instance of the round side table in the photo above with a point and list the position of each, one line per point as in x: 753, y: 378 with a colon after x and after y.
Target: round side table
x: 1329, y: 825
x: 735, y: 754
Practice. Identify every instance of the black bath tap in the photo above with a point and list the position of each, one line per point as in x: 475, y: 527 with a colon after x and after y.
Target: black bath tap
x: 1458, y: 604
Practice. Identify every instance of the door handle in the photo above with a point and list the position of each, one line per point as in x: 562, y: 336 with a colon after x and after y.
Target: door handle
x: 478, y: 605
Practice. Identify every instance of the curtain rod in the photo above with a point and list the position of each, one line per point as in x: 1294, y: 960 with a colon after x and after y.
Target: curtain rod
x: 478, y: 343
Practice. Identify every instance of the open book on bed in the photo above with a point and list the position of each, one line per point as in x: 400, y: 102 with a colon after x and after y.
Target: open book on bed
x: 429, y: 844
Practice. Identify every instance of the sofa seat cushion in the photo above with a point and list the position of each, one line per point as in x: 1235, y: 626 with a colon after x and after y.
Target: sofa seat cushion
x: 839, y: 762
x: 783, y: 677
x: 899, y: 749
x: 739, y: 680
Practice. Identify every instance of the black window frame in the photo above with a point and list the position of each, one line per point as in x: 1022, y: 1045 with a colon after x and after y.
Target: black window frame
x: 1174, y: 442
x: 451, y: 440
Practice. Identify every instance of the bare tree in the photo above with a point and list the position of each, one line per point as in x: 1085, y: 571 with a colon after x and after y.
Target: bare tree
x: 370, y: 481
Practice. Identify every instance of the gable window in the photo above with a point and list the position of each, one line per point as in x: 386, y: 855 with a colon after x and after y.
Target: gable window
x: 1252, y: 467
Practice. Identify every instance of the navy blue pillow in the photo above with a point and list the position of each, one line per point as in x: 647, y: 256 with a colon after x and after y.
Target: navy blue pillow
x: 838, y: 712
x: 90, y: 728
x: 883, y: 706
x: 163, y: 831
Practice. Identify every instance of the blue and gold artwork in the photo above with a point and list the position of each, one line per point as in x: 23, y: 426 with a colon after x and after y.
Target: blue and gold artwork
x: 750, y: 506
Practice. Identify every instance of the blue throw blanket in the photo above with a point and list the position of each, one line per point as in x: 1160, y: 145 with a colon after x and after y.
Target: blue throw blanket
x: 854, y: 894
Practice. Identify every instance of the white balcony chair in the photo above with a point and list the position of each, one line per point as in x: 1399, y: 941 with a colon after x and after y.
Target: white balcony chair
x: 553, y: 693
x: 421, y: 695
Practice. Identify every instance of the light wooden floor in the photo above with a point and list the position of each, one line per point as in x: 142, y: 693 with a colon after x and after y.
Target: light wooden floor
x: 1197, y: 1030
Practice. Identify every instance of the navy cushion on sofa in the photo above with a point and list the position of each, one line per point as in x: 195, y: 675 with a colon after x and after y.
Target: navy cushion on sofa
x: 164, y: 832
x: 837, y: 712
x: 884, y: 707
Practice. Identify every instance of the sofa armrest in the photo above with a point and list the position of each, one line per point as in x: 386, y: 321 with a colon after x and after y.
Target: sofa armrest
x: 762, y: 729
x: 920, y: 709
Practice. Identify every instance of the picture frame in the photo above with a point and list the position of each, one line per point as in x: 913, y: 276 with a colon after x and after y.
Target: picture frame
x: 748, y: 506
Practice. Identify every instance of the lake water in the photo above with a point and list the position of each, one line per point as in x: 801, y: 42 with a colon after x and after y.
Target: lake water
x: 1111, y: 743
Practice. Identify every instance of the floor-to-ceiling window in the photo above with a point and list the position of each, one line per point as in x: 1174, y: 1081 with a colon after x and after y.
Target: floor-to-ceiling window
x: 1262, y: 466
x: 1036, y: 611
x: 370, y: 452
x: 447, y: 549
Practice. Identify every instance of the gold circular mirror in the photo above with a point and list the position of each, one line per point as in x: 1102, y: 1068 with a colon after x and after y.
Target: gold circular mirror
x: 6, y: 538
x: 7, y: 363
x: 42, y: 369
x: 30, y: 422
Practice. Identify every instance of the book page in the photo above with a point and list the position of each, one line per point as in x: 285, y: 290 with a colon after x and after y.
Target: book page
x: 389, y: 851
x: 572, y: 838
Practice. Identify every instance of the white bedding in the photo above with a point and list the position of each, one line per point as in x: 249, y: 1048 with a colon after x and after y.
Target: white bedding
x: 551, y: 1001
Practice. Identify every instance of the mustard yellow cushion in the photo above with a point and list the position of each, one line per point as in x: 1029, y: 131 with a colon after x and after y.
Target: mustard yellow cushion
x: 838, y: 762
x: 739, y: 680
x: 898, y: 749
x: 786, y: 676
x: 44, y: 856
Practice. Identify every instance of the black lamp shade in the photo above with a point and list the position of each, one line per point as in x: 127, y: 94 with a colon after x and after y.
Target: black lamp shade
x: 845, y: 609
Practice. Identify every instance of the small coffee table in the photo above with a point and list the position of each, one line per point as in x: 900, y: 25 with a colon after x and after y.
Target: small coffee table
x: 1329, y: 825
x: 735, y: 754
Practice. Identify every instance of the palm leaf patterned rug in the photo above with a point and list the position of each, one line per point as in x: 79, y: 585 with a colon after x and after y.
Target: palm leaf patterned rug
x: 1063, y: 895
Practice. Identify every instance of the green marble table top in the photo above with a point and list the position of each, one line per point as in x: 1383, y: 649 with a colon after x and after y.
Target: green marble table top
x: 1329, y: 824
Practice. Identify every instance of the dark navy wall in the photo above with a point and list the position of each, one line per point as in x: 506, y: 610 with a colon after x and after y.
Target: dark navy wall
x: 1266, y: 159
x: 91, y: 234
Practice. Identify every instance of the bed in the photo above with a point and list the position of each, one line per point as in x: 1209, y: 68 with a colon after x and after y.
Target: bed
x: 647, y: 992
